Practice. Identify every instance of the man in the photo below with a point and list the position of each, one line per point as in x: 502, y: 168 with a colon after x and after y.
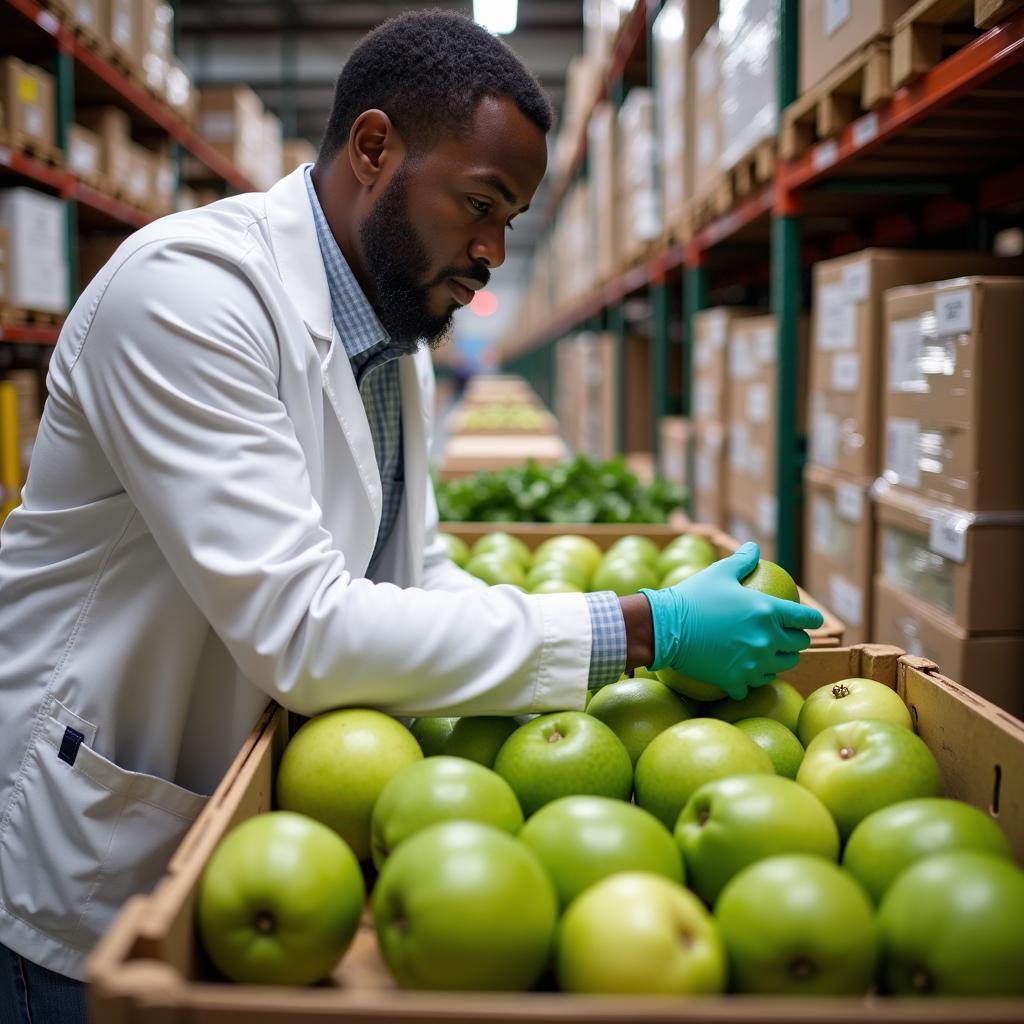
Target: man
x: 229, y: 500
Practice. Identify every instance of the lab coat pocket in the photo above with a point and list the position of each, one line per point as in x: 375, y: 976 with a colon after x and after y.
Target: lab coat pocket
x: 83, y: 835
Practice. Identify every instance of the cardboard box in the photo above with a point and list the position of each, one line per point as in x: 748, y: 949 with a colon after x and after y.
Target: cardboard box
x: 113, y: 126
x: 181, y: 96
x: 705, y: 75
x: 676, y: 31
x: 273, y: 150
x: 585, y: 399
x: 987, y: 664
x: 85, y: 153
x: 965, y: 564
x: 832, y: 30
x: 749, y: 51
x: 752, y: 516
x: 846, y: 360
x: 5, y: 265
x: 674, y: 450
x: 149, y: 966
x: 639, y: 202
x: 155, y: 43
x: 85, y: 14
x: 602, y: 148
x: 838, y: 561
x: 120, y: 25
x: 30, y: 407
x: 711, y: 330
x: 709, y: 472
x: 952, y: 409
x: 93, y: 253
x: 231, y: 120
x: 38, y: 254
x: 295, y: 153
x: 28, y: 104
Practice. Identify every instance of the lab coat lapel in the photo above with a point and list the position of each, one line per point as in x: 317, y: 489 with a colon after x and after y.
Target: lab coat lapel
x: 415, y: 416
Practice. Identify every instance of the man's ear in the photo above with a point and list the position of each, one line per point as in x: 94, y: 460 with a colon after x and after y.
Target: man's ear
x: 374, y: 146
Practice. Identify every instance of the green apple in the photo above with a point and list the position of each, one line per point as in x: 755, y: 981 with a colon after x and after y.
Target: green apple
x: 644, y: 673
x: 953, y: 925
x: 582, y: 839
x: 778, y: 699
x: 639, y: 933
x: 682, y: 758
x: 797, y: 925
x: 563, y: 754
x: 336, y: 765
x: 733, y: 822
x: 581, y: 551
x: 635, y: 548
x: 688, y: 549
x: 557, y: 587
x: 777, y: 742
x: 847, y: 701
x: 504, y: 545
x: 772, y: 579
x: 888, y: 841
x: 475, y: 738
x: 458, y: 550
x: 688, y: 686
x: 636, y: 710
x: 440, y: 789
x: 279, y: 901
x: 465, y: 906
x: 677, y: 575
x: 553, y: 568
x: 858, y: 767
x: 624, y: 576
x: 495, y: 568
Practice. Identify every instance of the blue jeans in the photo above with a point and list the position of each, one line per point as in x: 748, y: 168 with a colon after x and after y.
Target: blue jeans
x: 30, y: 994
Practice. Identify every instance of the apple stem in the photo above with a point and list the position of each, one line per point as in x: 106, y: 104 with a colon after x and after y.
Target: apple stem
x: 703, y: 816
x: 839, y: 691
x: 846, y: 753
x: 554, y: 737
x: 266, y: 923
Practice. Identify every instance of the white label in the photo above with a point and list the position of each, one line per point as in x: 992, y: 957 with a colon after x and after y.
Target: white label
x: 83, y: 157
x: 825, y: 154
x: 901, y: 451
x: 33, y: 120
x: 764, y: 345
x: 739, y: 445
x: 947, y: 535
x: 122, y: 29
x: 846, y: 372
x: 847, y: 600
x: 905, y: 356
x: 83, y: 13
x: 821, y: 524
x: 865, y: 129
x: 953, y: 312
x: 825, y: 440
x: 855, y: 281
x: 836, y: 319
x: 766, y: 514
x: 835, y: 14
x: 218, y: 126
x: 850, y: 502
x: 706, y: 399
x: 757, y: 403
x: 48, y: 22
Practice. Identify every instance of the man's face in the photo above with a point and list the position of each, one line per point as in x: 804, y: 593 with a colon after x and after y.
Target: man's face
x: 438, y: 228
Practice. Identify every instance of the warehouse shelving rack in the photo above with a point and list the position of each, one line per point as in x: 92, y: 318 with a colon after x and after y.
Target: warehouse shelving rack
x: 37, y: 31
x: 842, y: 194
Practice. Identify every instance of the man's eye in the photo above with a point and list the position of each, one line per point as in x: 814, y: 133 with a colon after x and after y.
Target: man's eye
x: 479, y: 205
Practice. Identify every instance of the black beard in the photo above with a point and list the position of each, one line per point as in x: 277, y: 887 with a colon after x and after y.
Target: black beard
x: 397, y: 260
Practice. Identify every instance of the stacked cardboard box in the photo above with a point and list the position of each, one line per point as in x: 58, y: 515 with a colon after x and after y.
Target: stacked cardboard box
x: 273, y: 151
x: 155, y: 43
x: 30, y: 406
x: 676, y: 31
x: 674, y: 450
x: 585, y: 400
x: 27, y: 103
x: 120, y: 24
x: 704, y: 82
x: 639, y: 205
x: 182, y: 97
x: 709, y: 414
x: 831, y: 31
x: 602, y: 138
x: 582, y: 85
x: 295, y: 152
x: 950, y: 500
x: 752, y: 418
x: 38, y: 255
x: 231, y: 120
x: 749, y: 42
x: 5, y: 266
x: 847, y: 362
x: 85, y: 155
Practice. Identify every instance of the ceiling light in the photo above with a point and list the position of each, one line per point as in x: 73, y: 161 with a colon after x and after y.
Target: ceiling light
x: 497, y: 16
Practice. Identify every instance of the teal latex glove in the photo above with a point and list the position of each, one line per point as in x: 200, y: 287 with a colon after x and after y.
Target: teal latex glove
x: 713, y: 628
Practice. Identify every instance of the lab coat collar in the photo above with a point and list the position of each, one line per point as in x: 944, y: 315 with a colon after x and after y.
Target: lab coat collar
x: 297, y: 250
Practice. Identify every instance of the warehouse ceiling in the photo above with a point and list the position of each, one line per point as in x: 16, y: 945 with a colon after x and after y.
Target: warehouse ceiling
x: 290, y: 52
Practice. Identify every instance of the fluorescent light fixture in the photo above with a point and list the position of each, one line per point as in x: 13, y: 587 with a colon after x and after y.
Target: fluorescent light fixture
x: 497, y: 16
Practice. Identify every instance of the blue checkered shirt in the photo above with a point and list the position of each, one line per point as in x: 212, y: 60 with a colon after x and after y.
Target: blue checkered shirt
x: 374, y: 363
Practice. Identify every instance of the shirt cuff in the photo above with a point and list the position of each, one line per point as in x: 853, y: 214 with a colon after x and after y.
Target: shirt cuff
x: 608, y: 648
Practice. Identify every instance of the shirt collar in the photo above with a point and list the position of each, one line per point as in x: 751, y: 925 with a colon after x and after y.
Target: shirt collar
x: 358, y: 326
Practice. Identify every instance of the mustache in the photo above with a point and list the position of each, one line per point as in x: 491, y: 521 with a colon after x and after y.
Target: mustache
x: 477, y: 273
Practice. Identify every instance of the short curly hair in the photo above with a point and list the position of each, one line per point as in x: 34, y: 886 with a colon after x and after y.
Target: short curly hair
x: 428, y: 70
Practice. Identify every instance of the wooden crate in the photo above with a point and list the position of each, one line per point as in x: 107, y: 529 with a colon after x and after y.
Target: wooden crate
x: 148, y: 969
x: 859, y: 84
x: 830, y: 634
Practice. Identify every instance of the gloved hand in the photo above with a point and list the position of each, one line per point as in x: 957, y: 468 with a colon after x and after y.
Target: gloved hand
x: 713, y: 628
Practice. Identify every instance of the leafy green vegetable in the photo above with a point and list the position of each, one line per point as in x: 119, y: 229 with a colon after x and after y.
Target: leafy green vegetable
x: 577, y: 491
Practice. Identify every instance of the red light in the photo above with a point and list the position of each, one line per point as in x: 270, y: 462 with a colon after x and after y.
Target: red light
x: 484, y: 303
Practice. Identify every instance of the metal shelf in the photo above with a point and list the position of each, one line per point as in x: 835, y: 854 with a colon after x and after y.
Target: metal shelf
x: 28, y: 335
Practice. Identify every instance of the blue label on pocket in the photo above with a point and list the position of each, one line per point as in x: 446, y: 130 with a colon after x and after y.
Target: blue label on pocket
x: 70, y: 744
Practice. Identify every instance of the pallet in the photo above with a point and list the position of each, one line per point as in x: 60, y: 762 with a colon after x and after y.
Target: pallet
x: 11, y: 316
x: 754, y: 169
x: 42, y: 151
x: 929, y: 31
x: 990, y: 12
x: 97, y: 43
x: 859, y: 84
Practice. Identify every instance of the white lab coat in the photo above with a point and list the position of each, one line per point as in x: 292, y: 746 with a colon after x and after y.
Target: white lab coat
x: 201, y: 509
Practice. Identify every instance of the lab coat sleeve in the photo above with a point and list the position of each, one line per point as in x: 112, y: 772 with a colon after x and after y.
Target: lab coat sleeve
x: 177, y: 377
x: 439, y: 571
